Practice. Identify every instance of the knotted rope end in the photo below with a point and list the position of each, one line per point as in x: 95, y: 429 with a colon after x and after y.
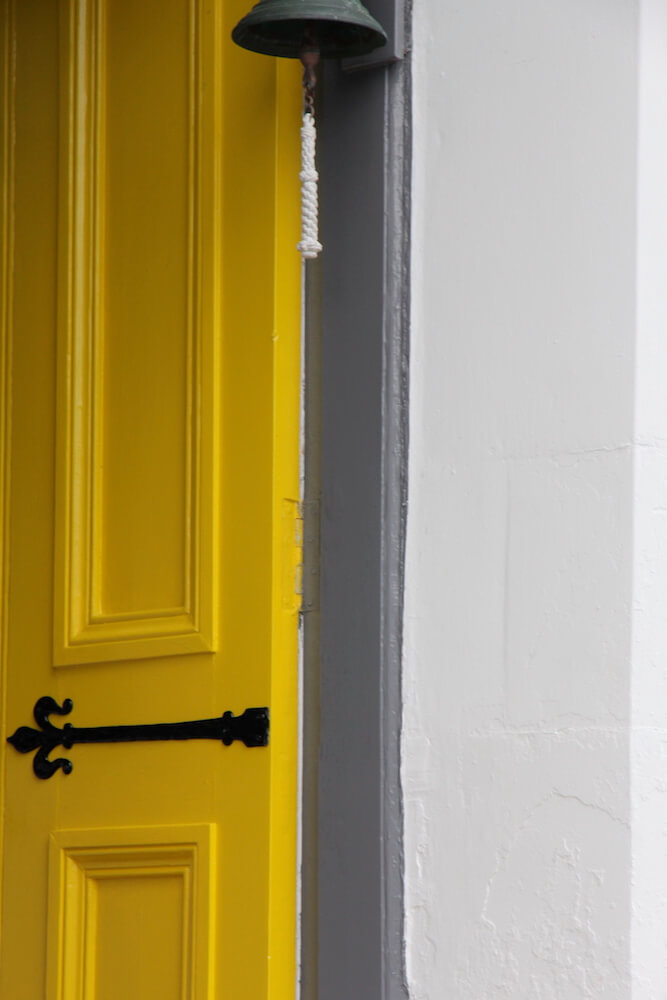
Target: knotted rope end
x: 310, y: 246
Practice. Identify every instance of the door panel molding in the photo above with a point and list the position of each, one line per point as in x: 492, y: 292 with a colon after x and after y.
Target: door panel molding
x: 136, y: 328
x: 159, y: 880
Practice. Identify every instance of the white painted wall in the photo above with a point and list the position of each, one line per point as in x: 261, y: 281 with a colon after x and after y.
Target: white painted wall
x: 649, y: 648
x: 535, y: 729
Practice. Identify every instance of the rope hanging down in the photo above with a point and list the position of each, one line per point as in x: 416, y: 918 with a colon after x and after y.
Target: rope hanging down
x: 309, y: 246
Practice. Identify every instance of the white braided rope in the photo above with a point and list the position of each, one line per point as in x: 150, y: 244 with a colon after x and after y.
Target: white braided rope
x: 309, y: 246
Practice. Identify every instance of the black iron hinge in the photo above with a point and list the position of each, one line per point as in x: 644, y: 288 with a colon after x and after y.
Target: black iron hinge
x: 250, y: 728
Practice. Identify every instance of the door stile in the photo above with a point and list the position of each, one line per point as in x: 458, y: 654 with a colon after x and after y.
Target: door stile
x: 7, y: 132
x: 287, y: 540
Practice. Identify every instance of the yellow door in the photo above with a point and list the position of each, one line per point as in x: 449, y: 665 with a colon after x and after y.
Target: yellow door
x: 150, y: 372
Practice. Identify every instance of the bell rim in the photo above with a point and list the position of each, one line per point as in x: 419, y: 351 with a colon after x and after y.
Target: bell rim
x: 370, y: 34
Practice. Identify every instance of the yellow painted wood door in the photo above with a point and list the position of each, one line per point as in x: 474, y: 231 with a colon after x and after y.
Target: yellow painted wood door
x: 150, y: 406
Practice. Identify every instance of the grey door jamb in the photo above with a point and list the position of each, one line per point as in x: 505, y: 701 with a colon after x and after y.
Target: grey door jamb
x: 355, y: 501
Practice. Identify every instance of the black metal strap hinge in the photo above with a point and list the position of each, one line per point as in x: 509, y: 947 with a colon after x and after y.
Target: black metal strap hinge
x: 251, y: 728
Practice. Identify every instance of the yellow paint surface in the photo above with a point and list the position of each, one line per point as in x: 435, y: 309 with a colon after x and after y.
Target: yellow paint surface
x: 150, y: 533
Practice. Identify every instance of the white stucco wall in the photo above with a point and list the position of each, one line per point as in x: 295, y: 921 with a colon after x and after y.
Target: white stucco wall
x: 535, y: 725
x: 649, y: 649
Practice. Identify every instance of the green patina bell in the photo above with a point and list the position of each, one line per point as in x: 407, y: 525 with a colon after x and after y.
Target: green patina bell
x: 309, y: 30
x: 337, y: 28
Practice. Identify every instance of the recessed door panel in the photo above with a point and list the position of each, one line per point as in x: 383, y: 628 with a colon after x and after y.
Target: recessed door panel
x: 131, y: 913
x: 136, y: 361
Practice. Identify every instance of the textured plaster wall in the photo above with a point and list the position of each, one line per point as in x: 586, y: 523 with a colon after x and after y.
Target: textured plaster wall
x: 535, y: 659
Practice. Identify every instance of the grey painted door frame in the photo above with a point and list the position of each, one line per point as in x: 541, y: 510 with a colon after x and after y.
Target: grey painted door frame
x: 355, y: 503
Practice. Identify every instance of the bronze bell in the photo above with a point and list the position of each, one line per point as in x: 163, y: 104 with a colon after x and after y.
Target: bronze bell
x: 336, y: 28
